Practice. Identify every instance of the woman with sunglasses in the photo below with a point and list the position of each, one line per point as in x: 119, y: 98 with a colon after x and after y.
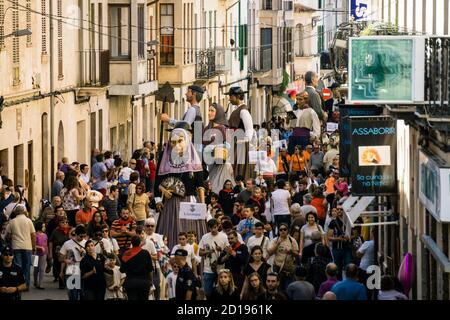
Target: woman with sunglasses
x: 57, y: 239
x: 138, y: 204
x: 225, y: 289
x: 284, y: 248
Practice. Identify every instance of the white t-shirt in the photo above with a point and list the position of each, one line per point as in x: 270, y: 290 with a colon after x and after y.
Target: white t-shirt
x: 106, y: 244
x: 280, y: 199
x: 71, y: 250
x: 254, y: 241
x: 209, y: 242
x: 171, y: 281
x: 149, y: 246
x: 307, y: 231
x: 125, y: 173
x: 189, y: 248
x: 367, y: 248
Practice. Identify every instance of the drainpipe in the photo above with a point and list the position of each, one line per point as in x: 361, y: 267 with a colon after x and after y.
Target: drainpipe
x: 52, y: 98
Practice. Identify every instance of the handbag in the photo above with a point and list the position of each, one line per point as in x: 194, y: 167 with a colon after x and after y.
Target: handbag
x: 175, y: 185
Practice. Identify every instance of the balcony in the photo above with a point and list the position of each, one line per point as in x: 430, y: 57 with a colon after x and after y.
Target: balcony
x: 205, y: 67
x: 272, y: 5
x: 94, y: 65
x: 437, y: 81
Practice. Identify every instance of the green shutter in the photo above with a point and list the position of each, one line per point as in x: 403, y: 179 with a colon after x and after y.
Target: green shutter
x: 320, y: 39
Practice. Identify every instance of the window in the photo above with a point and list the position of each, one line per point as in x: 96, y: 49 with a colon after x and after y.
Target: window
x: 141, y: 31
x: 44, y: 27
x: 320, y: 33
x: 18, y: 165
x: 28, y: 6
x: 2, y: 27
x: 266, y: 49
x: 167, y: 52
x: 60, y: 41
x: 120, y: 32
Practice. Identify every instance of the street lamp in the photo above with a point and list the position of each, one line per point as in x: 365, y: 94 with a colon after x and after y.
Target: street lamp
x: 19, y: 33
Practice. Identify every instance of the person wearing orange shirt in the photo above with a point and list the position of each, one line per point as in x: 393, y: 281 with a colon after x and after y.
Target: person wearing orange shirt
x: 298, y: 160
x: 284, y: 159
x: 84, y: 215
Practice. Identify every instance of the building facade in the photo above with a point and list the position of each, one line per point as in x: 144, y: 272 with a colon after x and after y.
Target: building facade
x: 423, y: 154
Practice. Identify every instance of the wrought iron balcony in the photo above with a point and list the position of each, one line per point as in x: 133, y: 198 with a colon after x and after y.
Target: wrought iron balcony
x: 205, y: 67
x: 437, y: 79
x: 94, y: 65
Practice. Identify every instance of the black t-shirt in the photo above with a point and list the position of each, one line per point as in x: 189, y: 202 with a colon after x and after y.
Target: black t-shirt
x: 298, y: 197
x: 237, y: 263
x: 139, y: 266
x: 11, y: 277
x: 338, y: 231
x: 186, y: 281
x: 96, y: 281
x: 226, y: 201
x: 58, y: 238
x: 262, y: 271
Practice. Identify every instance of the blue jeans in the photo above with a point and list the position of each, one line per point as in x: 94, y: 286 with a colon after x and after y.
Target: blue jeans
x: 342, y: 257
x: 22, y: 258
x: 209, y: 279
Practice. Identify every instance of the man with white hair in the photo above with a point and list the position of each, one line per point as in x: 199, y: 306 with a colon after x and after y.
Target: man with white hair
x: 158, y: 241
x: 297, y: 216
x: 307, y: 207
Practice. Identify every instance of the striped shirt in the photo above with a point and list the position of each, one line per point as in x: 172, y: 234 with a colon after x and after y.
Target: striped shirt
x: 123, y: 241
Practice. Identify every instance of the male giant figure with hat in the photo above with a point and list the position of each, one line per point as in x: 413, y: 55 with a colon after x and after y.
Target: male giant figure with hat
x: 241, y: 118
x: 192, y: 116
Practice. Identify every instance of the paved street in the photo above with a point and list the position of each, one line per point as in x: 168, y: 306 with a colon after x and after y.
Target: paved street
x: 51, y: 291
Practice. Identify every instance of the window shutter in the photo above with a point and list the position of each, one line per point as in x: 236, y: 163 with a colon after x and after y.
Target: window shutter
x: 28, y: 6
x: 60, y: 41
x: 44, y: 26
x: 2, y: 27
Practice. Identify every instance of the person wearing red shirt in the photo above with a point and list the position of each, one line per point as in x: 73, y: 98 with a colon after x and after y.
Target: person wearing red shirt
x: 84, y: 215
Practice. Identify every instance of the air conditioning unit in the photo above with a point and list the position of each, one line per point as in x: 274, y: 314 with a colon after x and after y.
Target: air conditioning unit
x: 36, y: 81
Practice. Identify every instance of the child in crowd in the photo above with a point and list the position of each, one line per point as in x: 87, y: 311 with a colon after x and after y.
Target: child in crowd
x: 171, y: 280
x: 41, y: 253
x: 114, y: 279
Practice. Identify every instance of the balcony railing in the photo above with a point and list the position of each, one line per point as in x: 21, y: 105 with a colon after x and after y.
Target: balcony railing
x: 94, y: 66
x: 151, y: 65
x: 437, y: 77
x: 205, y: 67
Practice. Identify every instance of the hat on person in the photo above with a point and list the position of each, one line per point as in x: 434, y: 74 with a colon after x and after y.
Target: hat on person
x: 181, y: 253
x: 235, y: 91
x: 7, y: 251
x: 197, y: 89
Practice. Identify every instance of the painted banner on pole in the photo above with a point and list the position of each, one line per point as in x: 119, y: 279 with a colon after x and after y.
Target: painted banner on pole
x: 373, y: 154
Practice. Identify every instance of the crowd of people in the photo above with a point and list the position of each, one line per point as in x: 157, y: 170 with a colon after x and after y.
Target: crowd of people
x: 273, y: 229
